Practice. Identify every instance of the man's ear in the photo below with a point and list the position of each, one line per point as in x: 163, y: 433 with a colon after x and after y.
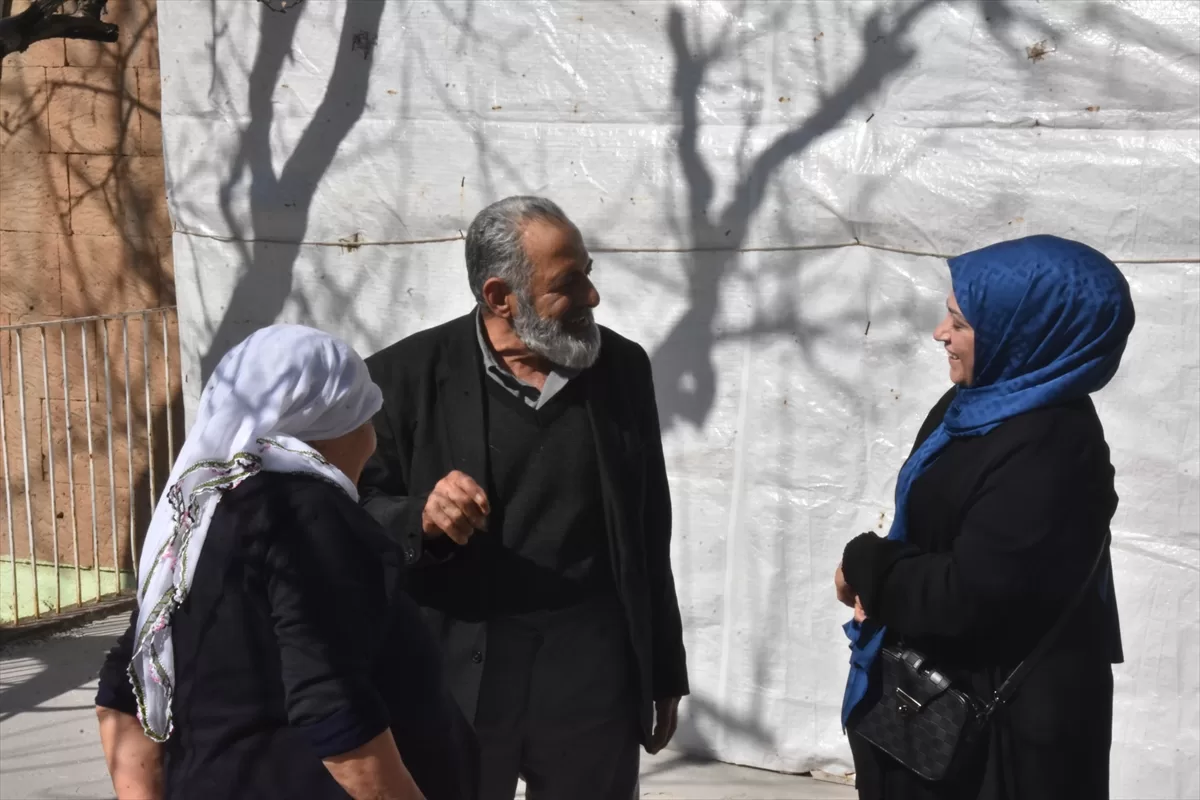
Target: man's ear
x: 497, y: 296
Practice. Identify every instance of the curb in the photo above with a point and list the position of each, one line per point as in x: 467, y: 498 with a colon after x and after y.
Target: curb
x: 66, y: 621
x: 828, y: 777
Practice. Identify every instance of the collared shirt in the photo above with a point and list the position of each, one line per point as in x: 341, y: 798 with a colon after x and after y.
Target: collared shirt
x: 555, y: 381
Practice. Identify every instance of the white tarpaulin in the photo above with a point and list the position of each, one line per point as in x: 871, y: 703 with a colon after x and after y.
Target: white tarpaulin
x: 768, y: 189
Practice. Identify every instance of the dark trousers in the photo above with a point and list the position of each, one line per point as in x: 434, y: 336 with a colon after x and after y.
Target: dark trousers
x: 557, y: 708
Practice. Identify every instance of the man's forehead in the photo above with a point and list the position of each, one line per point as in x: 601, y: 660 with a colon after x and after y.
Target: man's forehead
x: 553, y: 240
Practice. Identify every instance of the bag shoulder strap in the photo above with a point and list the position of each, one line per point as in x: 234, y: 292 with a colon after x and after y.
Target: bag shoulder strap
x: 1048, y: 640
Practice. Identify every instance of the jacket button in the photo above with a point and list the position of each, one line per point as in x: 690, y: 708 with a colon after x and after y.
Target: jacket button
x: 409, y: 555
x: 477, y: 657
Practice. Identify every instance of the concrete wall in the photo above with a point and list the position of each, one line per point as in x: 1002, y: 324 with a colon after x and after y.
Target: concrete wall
x: 84, y: 231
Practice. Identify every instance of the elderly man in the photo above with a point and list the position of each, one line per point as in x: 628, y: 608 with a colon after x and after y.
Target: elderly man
x: 520, y: 467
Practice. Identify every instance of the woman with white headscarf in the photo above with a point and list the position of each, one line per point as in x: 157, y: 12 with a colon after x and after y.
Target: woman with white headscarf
x: 274, y: 653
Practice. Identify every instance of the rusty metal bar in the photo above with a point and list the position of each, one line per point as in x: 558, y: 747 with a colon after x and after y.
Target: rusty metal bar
x: 37, y: 611
x: 12, y: 550
x: 62, y: 331
x: 92, y: 318
x: 133, y: 558
x: 87, y: 407
x: 112, y: 472
x: 50, y: 463
x: 167, y: 394
x: 149, y: 409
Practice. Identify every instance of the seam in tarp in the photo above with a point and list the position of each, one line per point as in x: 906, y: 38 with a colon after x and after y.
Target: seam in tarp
x: 354, y: 244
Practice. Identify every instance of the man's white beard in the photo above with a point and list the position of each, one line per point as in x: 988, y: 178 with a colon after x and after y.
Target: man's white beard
x: 551, y: 340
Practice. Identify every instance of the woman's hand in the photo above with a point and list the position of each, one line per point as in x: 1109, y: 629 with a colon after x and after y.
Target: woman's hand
x: 845, y: 593
x: 859, y: 614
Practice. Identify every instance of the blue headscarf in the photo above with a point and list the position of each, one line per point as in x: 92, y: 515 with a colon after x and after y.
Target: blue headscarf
x: 1051, y: 318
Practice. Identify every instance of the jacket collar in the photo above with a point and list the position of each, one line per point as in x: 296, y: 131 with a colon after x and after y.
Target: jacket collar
x: 460, y: 392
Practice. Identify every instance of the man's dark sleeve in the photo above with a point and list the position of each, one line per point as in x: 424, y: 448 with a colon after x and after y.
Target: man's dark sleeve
x: 669, y: 658
x: 385, y: 496
x: 115, y: 691
x: 326, y: 619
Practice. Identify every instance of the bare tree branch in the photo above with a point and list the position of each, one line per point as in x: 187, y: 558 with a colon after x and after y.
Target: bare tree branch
x: 44, y: 20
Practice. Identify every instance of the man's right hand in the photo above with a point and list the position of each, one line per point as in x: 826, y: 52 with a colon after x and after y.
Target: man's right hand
x: 457, y: 507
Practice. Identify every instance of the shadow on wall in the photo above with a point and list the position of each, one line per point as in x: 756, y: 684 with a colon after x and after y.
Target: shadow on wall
x: 280, y: 203
x: 686, y: 380
x: 684, y: 373
x: 683, y: 362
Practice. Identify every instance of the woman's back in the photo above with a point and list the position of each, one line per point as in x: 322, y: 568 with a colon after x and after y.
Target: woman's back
x: 296, y: 642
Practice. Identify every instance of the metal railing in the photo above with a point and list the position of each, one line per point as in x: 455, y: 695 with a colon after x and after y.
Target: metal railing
x: 71, y: 520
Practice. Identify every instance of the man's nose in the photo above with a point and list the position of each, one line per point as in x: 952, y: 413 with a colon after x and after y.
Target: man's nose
x: 593, y: 296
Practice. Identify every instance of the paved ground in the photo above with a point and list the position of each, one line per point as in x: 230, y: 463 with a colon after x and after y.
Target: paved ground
x: 49, y: 748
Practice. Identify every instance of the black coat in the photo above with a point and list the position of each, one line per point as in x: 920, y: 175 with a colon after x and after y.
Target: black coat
x: 1002, y: 531
x: 432, y: 422
x: 297, y: 643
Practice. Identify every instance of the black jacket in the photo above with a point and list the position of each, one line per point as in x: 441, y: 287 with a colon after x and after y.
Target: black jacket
x: 432, y: 422
x: 1003, y: 531
x: 297, y: 643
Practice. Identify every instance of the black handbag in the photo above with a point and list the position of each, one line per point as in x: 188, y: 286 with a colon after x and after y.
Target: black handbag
x: 927, y: 724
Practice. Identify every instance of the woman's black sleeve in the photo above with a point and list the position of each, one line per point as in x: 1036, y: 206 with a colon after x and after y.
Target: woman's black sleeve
x: 1028, y: 538
x: 327, y: 606
x: 115, y: 691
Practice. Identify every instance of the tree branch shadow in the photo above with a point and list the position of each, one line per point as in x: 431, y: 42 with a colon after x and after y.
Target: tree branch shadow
x: 684, y: 374
x: 280, y: 204
x: 684, y: 371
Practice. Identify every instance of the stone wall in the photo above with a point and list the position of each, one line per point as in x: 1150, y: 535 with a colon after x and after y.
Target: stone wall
x: 84, y: 231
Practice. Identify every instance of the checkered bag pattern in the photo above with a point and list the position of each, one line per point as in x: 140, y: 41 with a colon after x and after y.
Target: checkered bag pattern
x: 920, y: 720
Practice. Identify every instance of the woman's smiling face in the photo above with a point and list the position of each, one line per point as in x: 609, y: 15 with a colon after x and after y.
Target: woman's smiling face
x: 958, y: 337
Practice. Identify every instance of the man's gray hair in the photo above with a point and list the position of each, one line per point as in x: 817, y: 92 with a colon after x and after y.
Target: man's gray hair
x: 494, y: 248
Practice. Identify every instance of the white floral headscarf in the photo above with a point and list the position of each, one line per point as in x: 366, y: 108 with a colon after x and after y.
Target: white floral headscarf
x: 283, y: 386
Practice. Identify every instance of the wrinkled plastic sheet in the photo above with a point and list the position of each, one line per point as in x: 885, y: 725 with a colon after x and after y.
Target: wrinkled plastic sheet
x: 745, y: 181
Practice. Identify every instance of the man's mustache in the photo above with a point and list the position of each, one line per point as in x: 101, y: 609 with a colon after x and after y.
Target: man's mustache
x: 580, y: 318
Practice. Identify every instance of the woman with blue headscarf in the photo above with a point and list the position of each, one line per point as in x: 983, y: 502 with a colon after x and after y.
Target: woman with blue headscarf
x: 1001, y: 510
